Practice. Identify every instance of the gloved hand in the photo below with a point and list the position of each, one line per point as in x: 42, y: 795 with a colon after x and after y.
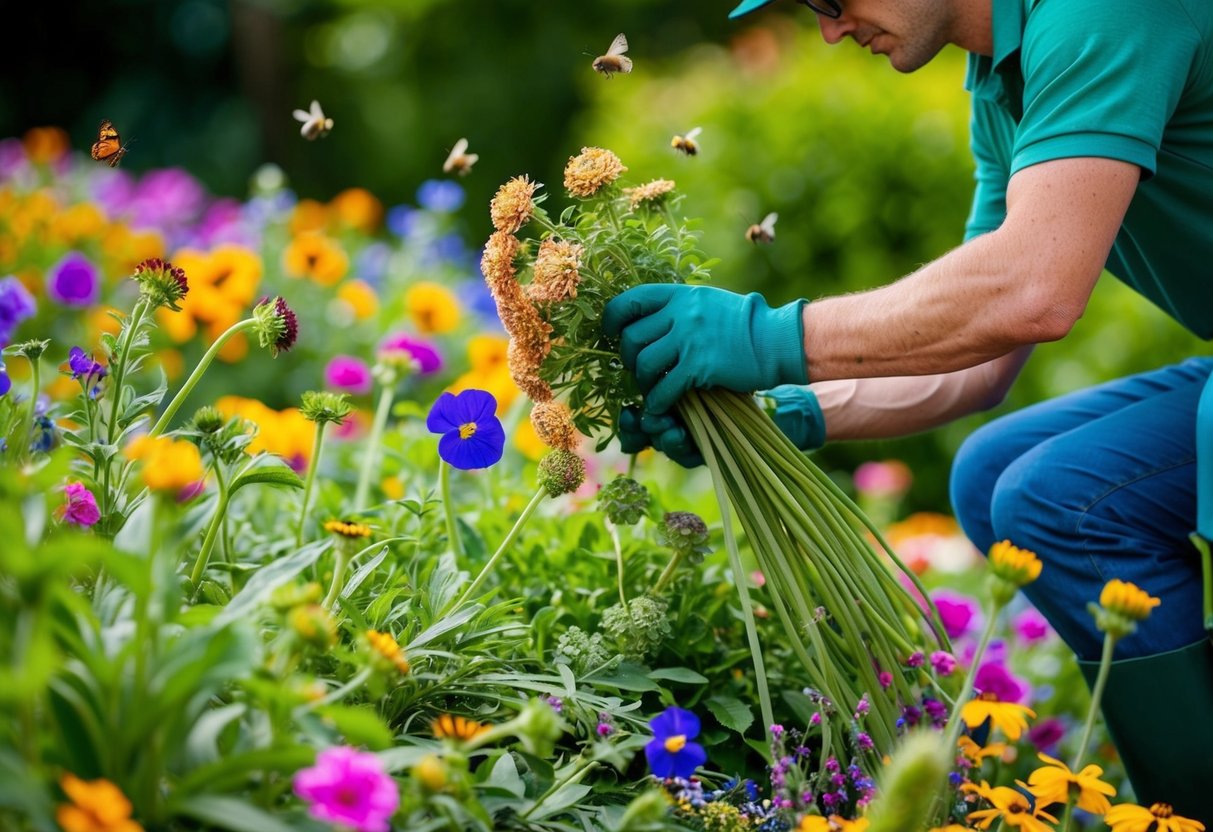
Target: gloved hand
x: 795, y: 411
x: 676, y: 337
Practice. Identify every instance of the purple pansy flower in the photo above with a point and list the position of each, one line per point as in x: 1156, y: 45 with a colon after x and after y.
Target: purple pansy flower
x: 350, y: 788
x: 16, y: 304
x: 6, y: 383
x: 82, y: 364
x: 671, y: 753
x: 73, y: 281
x: 472, y: 436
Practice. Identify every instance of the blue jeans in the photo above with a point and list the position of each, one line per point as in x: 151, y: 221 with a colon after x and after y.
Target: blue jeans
x: 1100, y: 484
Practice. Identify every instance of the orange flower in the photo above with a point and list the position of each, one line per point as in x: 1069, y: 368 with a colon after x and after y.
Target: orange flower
x: 387, y: 651
x: 433, y: 308
x: 816, y: 823
x: 46, y: 144
x: 308, y: 215
x: 96, y: 806
x: 223, y: 284
x: 360, y: 298
x: 1007, y: 716
x: 357, y: 208
x: 457, y: 727
x: 315, y: 257
x: 168, y: 464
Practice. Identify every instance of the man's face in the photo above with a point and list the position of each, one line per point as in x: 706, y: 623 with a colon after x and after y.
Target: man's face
x: 909, y: 32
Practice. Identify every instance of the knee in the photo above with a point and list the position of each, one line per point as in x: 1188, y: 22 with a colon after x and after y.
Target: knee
x: 976, y: 468
x: 1033, y: 508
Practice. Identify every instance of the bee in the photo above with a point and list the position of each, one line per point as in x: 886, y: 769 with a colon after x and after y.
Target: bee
x: 763, y: 232
x: 614, y: 60
x: 109, y: 147
x: 687, y: 143
x: 315, y: 125
x: 460, y: 161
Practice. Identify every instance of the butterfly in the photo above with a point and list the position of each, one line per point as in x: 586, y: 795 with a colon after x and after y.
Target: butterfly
x: 109, y: 147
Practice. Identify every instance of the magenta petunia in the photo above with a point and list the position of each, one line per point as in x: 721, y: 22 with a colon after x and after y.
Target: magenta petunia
x: 882, y: 479
x: 348, y: 374
x: 959, y: 613
x: 428, y: 359
x: 80, y: 506
x: 1031, y: 627
x: 350, y: 788
x: 995, y: 677
x: 73, y: 281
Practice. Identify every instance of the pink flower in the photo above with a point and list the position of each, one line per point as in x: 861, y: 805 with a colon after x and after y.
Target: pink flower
x: 423, y: 352
x: 882, y: 479
x: 348, y: 374
x: 995, y: 677
x: 943, y: 662
x: 960, y: 614
x: 1046, y: 734
x: 1030, y: 626
x: 80, y: 506
x: 350, y: 788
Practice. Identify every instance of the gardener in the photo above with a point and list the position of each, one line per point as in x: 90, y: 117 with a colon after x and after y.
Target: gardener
x: 1092, y: 129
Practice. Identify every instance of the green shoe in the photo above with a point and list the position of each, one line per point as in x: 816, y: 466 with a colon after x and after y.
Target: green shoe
x: 1159, y: 712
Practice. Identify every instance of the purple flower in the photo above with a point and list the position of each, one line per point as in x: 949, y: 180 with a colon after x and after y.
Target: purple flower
x: 1030, y: 626
x: 12, y: 158
x: 372, y: 263
x: 1046, y: 734
x: 960, y: 614
x: 916, y: 659
x: 423, y: 352
x: 943, y: 662
x: 6, y: 383
x: 80, y: 506
x: 472, y: 436
x: 671, y: 753
x: 440, y: 195
x: 996, y: 677
x: 350, y: 788
x: 16, y: 304
x: 882, y: 479
x: 83, y: 366
x: 73, y: 281
x: 349, y: 374
x: 166, y: 199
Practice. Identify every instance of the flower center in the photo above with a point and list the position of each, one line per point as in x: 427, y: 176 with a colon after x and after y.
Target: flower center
x: 1161, y: 810
x: 467, y: 430
x: 676, y: 743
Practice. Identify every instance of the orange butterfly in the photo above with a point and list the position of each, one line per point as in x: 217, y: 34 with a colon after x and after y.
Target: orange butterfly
x: 108, y: 147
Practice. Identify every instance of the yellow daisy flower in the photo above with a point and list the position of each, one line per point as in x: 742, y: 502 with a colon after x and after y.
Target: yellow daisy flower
x: 449, y: 726
x: 1160, y: 817
x: 433, y: 308
x: 1055, y: 783
x: 1010, y: 806
x: 1006, y: 716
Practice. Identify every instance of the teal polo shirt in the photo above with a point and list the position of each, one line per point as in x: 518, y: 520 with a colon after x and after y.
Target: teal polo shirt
x: 1116, y: 79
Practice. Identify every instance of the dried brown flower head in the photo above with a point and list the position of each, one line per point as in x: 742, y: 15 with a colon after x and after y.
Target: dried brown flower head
x: 556, y: 272
x: 649, y: 191
x: 587, y: 172
x: 524, y: 360
x: 553, y: 422
x: 513, y: 204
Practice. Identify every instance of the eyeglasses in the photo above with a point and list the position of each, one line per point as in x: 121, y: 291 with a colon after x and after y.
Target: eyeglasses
x: 825, y: 8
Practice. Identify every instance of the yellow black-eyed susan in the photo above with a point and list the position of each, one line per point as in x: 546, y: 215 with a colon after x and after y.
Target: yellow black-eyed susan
x: 450, y: 726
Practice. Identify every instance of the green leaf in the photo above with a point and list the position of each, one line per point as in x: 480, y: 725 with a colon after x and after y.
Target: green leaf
x: 278, y: 475
x: 269, y: 578
x: 731, y: 712
x: 679, y: 674
x: 363, y: 573
x: 359, y: 725
x: 505, y: 776
x: 230, y: 813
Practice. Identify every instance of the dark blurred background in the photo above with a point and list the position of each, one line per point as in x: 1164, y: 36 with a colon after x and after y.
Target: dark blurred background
x: 868, y: 169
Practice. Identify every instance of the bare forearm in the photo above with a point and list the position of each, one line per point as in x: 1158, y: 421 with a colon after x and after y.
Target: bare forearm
x: 882, y: 408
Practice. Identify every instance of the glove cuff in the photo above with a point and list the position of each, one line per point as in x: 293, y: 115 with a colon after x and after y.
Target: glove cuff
x: 779, y: 342
x: 798, y: 414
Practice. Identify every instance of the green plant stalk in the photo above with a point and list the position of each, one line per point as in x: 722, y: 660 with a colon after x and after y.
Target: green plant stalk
x: 372, y: 446
x: 317, y: 448
x: 952, y: 731
x: 505, y: 544
x: 454, y: 539
x: 666, y: 576
x: 196, y: 375
x: 613, y: 531
x: 344, y: 556
x: 696, y: 419
x: 336, y: 694
x: 575, y: 776
x: 119, y: 376
x: 1101, y: 680
x: 1206, y: 573
x: 208, y: 542
x: 35, y: 386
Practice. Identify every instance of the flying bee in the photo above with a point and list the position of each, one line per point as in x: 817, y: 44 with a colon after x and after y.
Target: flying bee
x: 763, y: 232
x: 614, y: 60
x: 687, y: 143
x: 460, y: 161
x: 315, y: 125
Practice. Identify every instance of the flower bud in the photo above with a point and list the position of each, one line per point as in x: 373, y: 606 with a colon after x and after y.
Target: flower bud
x: 624, y: 501
x: 325, y: 407
x: 161, y: 283
x: 313, y: 625
x: 431, y: 772
x: 561, y: 472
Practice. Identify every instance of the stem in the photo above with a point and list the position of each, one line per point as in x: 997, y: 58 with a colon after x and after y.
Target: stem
x: 667, y: 574
x: 336, y: 694
x: 35, y: 368
x: 372, y: 446
x: 573, y: 777
x: 952, y: 733
x: 448, y: 510
x: 343, y: 562
x: 1105, y: 665
x: 317, y: 447
x: 509, y: 538
x: 192, y: 381
x: 120, y: 366
x: 613, y: 530
x: 208, y: 542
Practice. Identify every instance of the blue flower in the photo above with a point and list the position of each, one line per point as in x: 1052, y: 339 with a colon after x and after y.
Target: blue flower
x: 83, y: 366
x: 6, y: 383
x: 440, y: 196
x: 472, y: 436
x: 670, y: 752
x: 402, y: 220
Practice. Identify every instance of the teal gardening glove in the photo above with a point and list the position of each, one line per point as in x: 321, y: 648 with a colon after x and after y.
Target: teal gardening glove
x: 676, y: 337
x: 794, y: 409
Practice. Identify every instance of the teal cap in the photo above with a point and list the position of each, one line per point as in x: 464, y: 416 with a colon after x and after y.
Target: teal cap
x: 747, y: 6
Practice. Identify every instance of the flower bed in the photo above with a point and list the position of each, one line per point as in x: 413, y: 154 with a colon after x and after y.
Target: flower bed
x: 285, y: 549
